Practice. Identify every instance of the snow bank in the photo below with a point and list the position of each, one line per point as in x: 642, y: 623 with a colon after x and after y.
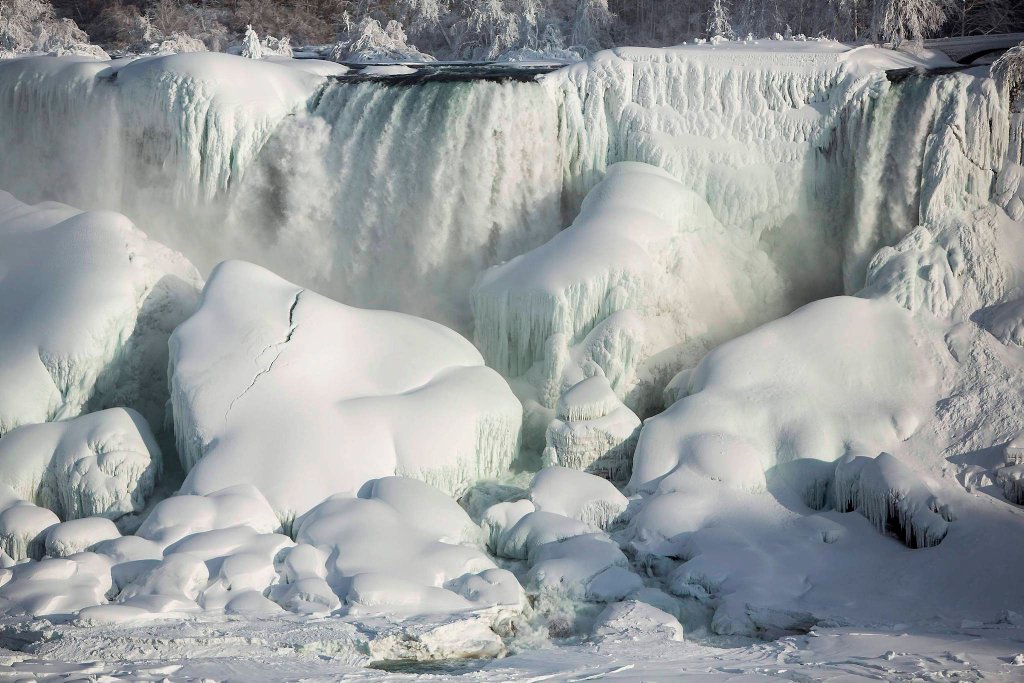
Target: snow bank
x: 180, y: 516
x: 88, y: 303
x: 582, y: 496
x: 393, y: 395
x: 101, y: 464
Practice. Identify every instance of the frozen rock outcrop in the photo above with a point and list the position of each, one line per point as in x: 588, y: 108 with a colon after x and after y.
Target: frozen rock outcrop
x: 304, y: 397
x: 579, y: 495
x: 101, y: 464
x: 88, y: 302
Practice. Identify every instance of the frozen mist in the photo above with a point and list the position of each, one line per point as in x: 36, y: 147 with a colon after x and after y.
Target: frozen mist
x: 698, y: 360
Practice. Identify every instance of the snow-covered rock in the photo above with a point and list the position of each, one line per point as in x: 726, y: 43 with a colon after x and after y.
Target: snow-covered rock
x: 88, y: 303
x: 180, y: 516
x: 23, y: 528
x: 769, y: 397
x: 393, y: 394
x: 100, y: 464
x: 645, y: 247
x: 593, y: 431
x: 579, y: 495
x: 633, y: 620
x: 79, y: 535
x: 380, y: 560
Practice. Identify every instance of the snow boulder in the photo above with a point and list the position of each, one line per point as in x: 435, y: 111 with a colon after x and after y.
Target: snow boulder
x: 79, y: 535
x: 304, y: 397
x: 88, y: 302
x: 632, y: 620
x: 380, y: 560
x: 592, y: 500
x: 23, y: 528
x: 772, y: 396
x: 180, y: 516
x: 101, y: 464
x: 593, y: 430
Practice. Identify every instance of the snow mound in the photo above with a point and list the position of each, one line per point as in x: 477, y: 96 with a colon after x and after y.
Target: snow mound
x: 643, y: 246
x: 593, y: 431
x: 88, y: 303
x: 769, y: 397
x: 100, y: 464
x: 393, y: 394
x: 79, y: 535
x: 180, y: 516
x: 23, y: 529
x: 380, y: 560
x: 55, y: 586
x: 633, y: 620
x: 578, y: 495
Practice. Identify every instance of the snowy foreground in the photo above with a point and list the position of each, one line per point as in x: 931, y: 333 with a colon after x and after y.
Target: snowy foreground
x: 701, y: 361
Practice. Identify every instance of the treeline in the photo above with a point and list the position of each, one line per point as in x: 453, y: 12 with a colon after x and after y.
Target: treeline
x: 487, y: 28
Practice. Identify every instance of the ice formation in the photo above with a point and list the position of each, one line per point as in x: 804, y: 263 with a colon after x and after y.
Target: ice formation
x: 101, y: 464
x: 582, y: 496
x: 592, y: 430
x: 745, y: 414
x: 890, y: 495
x: 88, y: 303
x: 270, y: 381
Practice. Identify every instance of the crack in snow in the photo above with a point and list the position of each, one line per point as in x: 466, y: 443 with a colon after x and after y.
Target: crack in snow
x: 280, y: 346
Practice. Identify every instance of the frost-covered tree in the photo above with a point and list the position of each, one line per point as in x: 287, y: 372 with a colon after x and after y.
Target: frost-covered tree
x: 718, y: 20
x: 252, y: 48
x: 370, y: 42
x: 590, y: 22
x: 1008, y: 71
x: 896, y: 21
x: 33, y: 26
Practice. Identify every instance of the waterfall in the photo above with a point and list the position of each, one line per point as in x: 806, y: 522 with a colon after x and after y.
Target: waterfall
x: 400, y: 196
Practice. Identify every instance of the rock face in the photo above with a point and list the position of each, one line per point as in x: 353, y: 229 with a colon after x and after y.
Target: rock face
x: 305, y: 397
x: 88, y: 302
x: 102, y: 464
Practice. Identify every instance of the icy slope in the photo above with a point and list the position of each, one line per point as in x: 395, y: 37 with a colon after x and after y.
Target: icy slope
x: 87, y: 303
x: 270, y: 382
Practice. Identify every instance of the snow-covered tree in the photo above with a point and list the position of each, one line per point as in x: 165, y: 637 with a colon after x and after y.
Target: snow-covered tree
x: 33, y: 26
x: 252, y: 48
x: 718, y: 20
x: 896, y: 21
x: 1008, y: 71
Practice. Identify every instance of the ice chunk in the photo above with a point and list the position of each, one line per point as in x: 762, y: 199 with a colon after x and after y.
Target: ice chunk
x: 88, y: 302
x: 393, y: 394
x: 427, y: 508
x: 79, y: 535
x: 570, y: 566
x: 171, y: 586
x: 633, y: 620
x: 579, y: 495
x: 100, y: 464
x: 534, y: 530
x: 593, y: 430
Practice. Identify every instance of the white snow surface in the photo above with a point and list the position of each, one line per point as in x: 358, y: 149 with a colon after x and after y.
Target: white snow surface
x: 88, y: 302
x: 271, y: 382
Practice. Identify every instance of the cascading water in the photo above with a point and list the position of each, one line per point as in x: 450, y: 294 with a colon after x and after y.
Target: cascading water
x: 399, y: 196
